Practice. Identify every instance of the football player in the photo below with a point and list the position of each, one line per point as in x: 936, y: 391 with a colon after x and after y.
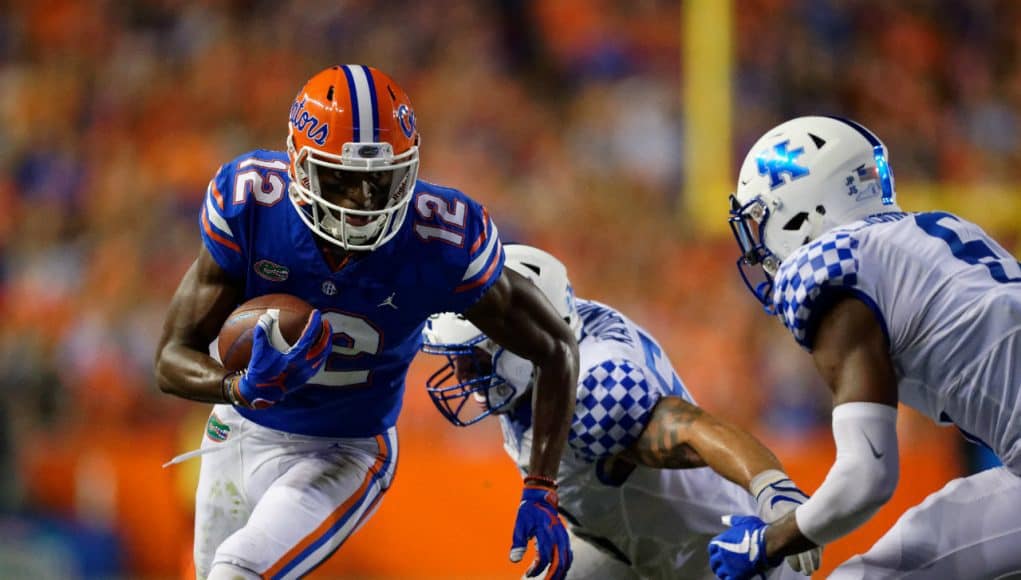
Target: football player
x: 920, y: 308
x: 301, y: 446
x: 636, y: 504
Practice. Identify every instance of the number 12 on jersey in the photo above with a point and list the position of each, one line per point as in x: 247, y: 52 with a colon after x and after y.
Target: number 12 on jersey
x: 451, y: 214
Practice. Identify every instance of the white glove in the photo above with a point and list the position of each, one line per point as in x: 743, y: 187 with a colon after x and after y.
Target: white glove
x: 777, y: 496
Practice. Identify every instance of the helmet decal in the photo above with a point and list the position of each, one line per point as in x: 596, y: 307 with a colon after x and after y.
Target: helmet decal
x: 316, y: 130
x: 406, y: 118
x: 779, y: 161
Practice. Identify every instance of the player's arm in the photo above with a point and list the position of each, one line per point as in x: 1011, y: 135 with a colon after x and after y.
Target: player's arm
x: 515, y: 314
x: 852, y: 354
x: 203, y: 300
x: 680, y: 435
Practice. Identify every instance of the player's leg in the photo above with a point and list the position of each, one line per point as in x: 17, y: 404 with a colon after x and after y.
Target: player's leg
x: 221, y: 507
x: 321, y: 492
x: 968, y: 529
x: 591, y: 562
x: 225, y: 571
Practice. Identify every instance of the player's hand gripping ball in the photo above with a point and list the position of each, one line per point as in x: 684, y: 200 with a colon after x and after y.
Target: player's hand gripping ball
x: 283, y: 342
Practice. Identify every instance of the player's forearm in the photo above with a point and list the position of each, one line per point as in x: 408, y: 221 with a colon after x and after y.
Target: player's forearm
x: 680, y: 435
x: 731, y: 452
x: 784, y: 538
x: 190, y: 374
x: 552, y: 409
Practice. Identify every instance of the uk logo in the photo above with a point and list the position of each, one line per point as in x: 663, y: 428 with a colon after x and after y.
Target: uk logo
x: 779, y: 162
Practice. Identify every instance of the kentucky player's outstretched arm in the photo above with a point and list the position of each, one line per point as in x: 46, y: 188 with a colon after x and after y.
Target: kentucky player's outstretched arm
x: 680, y: 435
x: 515, y: 314
x: 851, y: 352
x: 203, y: 300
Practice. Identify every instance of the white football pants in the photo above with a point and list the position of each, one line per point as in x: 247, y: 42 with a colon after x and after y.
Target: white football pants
x: 280, y: 504
x: 969, y: 529
x: 592, y: 563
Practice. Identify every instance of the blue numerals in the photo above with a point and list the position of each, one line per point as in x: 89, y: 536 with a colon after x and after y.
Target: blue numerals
x: 976, y: 252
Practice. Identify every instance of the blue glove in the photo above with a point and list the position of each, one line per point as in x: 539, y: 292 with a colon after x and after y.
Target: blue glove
x: 538, y: 518
x: 276, y: 369
x: 740, y: 552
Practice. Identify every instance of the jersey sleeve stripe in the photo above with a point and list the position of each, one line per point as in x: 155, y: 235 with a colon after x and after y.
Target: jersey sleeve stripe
x: 487, y: 274
x: 482, y: 260
x: 216, y: 218
x: 482, y: 237
x: 215, y: 236
x: 215, y: 193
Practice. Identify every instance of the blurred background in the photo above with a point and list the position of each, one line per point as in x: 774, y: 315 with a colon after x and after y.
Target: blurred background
x: 605, y: 131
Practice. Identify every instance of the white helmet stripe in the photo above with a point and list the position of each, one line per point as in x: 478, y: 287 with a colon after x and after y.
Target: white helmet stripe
x: 362, y: 106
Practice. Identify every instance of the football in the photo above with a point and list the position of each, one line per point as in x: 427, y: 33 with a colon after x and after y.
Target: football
x: 234, y: 342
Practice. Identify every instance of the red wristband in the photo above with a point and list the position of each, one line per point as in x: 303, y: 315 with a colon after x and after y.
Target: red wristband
x: 541, y: 480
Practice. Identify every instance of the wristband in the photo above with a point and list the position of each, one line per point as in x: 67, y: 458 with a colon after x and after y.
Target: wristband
x: 541, y: 480
x: 229, y: 388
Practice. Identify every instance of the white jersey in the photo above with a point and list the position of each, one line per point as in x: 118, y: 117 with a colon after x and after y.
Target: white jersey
x: 949, y: 299
x: 658, y: 521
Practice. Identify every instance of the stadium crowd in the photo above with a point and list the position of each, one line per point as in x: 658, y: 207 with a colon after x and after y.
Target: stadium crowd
x: 563, y: 116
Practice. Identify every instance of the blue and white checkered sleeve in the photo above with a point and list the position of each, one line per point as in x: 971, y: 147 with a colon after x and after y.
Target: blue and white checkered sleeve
x: 806, y: 279
x: 614, y: 404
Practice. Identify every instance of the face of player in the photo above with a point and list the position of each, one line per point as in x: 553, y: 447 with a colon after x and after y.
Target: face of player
x: 473, y: 366
x: 355, y: 190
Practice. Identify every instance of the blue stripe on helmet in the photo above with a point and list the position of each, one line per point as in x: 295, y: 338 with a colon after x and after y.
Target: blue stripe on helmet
x: 869, y: 135
x: 375, y: 103
x: 353, y: 93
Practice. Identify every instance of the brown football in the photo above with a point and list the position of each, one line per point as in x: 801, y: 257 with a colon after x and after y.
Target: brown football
x: 235, y: 340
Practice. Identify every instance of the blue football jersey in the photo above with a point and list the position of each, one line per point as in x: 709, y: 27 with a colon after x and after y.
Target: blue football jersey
x: 445, y: 256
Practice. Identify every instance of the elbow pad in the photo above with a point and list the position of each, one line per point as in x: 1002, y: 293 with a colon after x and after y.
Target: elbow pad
x: 863, y: 477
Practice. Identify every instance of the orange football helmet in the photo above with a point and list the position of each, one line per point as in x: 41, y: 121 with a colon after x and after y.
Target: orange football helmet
x: 352, y: 127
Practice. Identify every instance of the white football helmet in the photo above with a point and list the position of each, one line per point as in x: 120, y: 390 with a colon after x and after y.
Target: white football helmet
x: 478, y: 369
x: 801, y: 179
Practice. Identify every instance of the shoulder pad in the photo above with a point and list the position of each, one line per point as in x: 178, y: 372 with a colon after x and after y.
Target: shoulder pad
x: 807, y: 278
x: 613, y: 406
